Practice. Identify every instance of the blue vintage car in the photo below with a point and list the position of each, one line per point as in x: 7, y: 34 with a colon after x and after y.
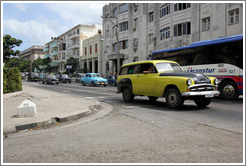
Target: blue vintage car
x: 94, y: 79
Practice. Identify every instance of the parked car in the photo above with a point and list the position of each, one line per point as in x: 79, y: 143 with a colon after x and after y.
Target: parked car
x: 50, y: 79
x: 23, y: 75
x: 112, y: 80
x: 159, y: 78
x: 64, y: 78
x: 41, y: 76
x: 94, y: 79
x: 33, y: 76
x: 79, y: 76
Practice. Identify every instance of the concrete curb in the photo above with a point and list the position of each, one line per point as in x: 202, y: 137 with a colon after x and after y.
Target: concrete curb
x: 92, y: 109
x: 9, y: 95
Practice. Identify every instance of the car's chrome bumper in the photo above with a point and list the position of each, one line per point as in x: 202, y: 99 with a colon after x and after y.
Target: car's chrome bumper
x: 102, y: 83
x: 207, y: 94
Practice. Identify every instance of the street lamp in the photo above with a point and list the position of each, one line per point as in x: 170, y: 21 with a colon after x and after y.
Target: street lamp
x: 118, y: 43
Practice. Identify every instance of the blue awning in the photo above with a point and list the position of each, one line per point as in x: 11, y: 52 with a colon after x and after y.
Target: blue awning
x: 204, y: 43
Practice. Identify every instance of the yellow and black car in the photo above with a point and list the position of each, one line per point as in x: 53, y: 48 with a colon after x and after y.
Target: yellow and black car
x: 160, y: 78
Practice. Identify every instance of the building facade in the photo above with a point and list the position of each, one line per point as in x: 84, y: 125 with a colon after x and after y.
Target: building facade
x: 32, y: 53
x: 69, y: 44
x: 144, y: 28
x: 91, y: 59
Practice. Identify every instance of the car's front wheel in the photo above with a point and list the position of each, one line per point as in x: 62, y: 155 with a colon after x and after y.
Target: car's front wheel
x: 174, y: 98
x: 202, y: 102
x: 127, y: 95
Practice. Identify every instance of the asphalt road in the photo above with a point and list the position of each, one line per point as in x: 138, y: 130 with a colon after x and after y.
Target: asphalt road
x: 136, y: 132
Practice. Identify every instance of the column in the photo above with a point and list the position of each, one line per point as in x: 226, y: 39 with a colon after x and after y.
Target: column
x: 93, y: 65
x: 88, y: 66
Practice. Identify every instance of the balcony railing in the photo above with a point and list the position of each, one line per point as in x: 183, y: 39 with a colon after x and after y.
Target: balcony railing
x: 54, y: 53
x: 73, y: 35
x: 46, y: 49
x: 54, y: 44
x: 73, y: 45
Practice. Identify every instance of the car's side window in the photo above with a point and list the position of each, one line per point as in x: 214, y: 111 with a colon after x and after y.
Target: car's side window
x: 124, y: 70
x: 137, y: 69
x: 148, y: 67
x: 130, y: 71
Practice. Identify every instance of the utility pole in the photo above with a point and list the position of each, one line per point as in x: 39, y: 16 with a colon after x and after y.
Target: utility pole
x: 118, y: 43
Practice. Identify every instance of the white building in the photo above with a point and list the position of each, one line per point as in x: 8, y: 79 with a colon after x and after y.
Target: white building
x: 32, y: 53
x: 147, y: 27
x: 69, y: 44
x: 91, y: 60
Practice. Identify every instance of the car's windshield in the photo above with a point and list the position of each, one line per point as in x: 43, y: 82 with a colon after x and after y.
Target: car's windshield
x: 35, y: 74
x: 52, y: 76
x: 64, y: 76
x: 168, y: 67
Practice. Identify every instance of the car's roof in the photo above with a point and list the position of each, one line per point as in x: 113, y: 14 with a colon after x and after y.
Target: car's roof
x: 147, y: 61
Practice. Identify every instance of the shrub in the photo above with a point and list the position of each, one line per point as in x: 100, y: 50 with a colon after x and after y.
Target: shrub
x: 11, y: 80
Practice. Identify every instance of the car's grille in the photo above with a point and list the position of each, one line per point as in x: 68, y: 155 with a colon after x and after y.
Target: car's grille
x: 202, y: 87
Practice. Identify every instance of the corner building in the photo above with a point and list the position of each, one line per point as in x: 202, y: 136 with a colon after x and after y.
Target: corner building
x: 147, y: 27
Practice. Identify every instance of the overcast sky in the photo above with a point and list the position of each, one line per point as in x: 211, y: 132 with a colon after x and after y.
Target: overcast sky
x: 36, y: 23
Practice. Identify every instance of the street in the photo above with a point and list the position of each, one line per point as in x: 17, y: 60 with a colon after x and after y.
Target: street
x: 136, y: 132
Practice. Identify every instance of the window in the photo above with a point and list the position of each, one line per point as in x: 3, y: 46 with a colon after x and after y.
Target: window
x: 165, y: 33
x: 181, y: 29
x: 206, y: 24
x: 115, y: 47
x: 77, y: 31
x: 234, y: 16
x: 123, y: 8
x: 85, y: 51
x: 90, y: 49
x: 95, y: 48
x: 165, y: 10
x: 151, y: 16
x: 115, y: 12
x: 124, y: 44
x: 151, y: 38
x: 123, y: 26
x: 181, y: 6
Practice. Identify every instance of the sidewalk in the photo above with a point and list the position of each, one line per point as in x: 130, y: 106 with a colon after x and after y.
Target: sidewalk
x: 51, y: 107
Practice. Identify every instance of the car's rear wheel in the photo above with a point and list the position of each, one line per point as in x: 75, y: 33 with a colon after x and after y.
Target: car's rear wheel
x: 174, y: 98
x: 127, y: 95
x: 83, y: 83
x: 202, y: 102
x: 104, y: 85
x: 152, y: 99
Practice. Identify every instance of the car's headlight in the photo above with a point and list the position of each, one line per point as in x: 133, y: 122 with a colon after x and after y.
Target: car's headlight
x: 216, y: 81
x: 189, y: 82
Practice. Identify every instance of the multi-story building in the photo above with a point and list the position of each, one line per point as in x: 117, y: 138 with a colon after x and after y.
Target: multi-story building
x: 32, y: 53
x: 91, y: 59
x: 69, y: 44
x: 144, y: 28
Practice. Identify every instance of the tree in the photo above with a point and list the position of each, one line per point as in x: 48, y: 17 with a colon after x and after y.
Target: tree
x: 22, y: 64
x: 71, y: 62
x: 8, y: 44
x: 36, y: 63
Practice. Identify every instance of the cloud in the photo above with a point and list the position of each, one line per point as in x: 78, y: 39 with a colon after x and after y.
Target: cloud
x: 36, y: 32
x: 78, y: 13
x: 21, y: 7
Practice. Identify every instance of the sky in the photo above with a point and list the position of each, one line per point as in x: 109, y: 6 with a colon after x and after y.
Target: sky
x: 36, y: 23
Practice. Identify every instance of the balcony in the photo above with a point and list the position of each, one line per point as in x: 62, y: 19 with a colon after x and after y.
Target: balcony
x: 54, y: 53
x: 73, y: 46
x: 46, y: 49
x: 46, y: 56
x: 54, y: 44
x: 73, y: 35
